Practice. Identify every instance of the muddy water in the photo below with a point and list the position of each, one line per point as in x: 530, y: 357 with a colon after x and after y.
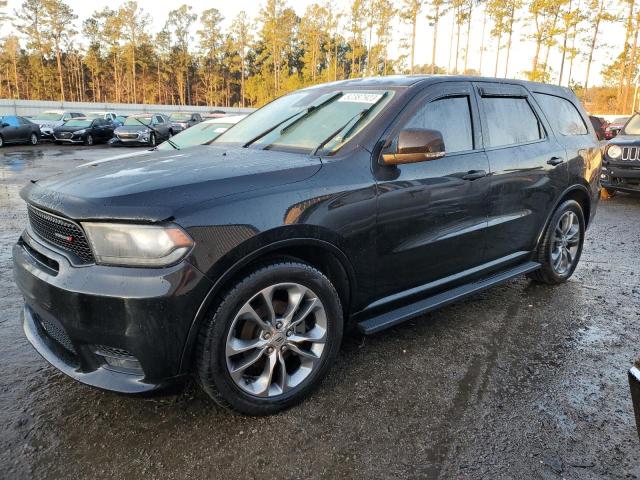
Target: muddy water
x: 521, y: 381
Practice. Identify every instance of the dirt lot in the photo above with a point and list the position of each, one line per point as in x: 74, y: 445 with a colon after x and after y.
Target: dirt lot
x: 522, y: 381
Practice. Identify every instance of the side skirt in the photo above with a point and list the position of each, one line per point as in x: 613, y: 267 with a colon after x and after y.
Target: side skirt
x: 407, y: 312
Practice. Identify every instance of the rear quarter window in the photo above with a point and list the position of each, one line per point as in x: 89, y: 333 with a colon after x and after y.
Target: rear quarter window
x: 510, y: 121
x: 562, y: 115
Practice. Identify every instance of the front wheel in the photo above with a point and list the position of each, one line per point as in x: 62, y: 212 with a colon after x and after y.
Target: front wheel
x: 152, y: 140
x: 561, y: 246
x: 33, y: 139
x: 88, y: 140
x: 1, y: 141
x: 271, y: 340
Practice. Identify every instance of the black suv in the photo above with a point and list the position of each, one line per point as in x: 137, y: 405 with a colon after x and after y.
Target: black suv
x: 364, y: 202
x: 621, y: 165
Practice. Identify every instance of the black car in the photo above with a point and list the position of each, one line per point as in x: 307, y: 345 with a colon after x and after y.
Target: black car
x: 84, y: 131
x: 621, y: 165
x: 182, y: 120
x: 144, y: 129
x: 14, y: 129
x: 366, y: 202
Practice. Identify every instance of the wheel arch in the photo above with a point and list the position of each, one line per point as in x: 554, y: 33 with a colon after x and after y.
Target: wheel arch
x: 580, y: 194
x: 322, y: 255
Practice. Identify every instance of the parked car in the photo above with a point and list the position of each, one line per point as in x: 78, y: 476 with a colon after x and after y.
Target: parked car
x: 366, y: 201
x: 614, y: 127
x: 84, y: 130
x: 182, y: 120
x: 144, y: 129
x: 634, y: 384
x: 14, y: 129
x: 622, y: 160
x: 108, y: 116
x: 53, y: 118
x: 599, y: 125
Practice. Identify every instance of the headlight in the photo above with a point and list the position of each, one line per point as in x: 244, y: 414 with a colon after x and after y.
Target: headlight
x: 137, y: 245
x: 80, y: 132
x: 614, y: 152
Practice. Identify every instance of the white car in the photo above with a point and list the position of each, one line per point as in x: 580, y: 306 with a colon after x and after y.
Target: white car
x: 53, y: 118
x: 108, y: 116
x: 200, y: 134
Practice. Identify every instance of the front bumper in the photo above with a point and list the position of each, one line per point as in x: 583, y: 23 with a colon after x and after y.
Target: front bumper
x: 68, y: 140
x: 622, y: 178
x: 72, y: 315
x: 634, y: 384
x: 46, y: 133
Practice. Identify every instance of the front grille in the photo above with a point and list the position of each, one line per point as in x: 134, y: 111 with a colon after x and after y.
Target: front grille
x: 56, y: 333
x: 630, y: 153
x: 127, y: 136
x: 60, y: 232
x: 63, y: 135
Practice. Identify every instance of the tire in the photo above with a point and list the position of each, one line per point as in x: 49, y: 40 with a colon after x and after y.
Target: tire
x: 152, y: 140
x: 33, y: 139
x: 88, y: 140
x: 1, y: 141
x: 259, y: 392
x: 554, y: 271
x: 611, y: 192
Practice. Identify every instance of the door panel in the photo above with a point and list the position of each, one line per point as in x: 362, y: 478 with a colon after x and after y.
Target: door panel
x: 524, y: 184
x: 432, y: 221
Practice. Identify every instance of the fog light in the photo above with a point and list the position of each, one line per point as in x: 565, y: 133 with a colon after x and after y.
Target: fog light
x: 119, y: 359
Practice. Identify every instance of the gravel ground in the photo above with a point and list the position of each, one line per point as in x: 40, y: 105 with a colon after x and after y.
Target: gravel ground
x: 522, y: 381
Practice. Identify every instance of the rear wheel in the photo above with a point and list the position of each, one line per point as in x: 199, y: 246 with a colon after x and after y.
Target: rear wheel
x: 561, y: 246
x: 152, y: 139
x: 611, y: 192
x: 271, y: 340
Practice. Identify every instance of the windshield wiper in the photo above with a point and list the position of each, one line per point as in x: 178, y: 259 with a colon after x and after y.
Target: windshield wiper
x: 302, y: 113
x: 353, y: 121
x: 169, y: 141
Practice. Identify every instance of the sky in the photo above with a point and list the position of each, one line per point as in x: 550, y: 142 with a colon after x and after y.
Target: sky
x: 610, y: 44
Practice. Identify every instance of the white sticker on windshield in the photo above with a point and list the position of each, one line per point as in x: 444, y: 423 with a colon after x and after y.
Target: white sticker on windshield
x: 220, y: 130
x: 360, y: 97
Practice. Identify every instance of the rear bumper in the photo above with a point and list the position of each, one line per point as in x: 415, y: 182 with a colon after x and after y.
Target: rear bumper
x: 73, y: 315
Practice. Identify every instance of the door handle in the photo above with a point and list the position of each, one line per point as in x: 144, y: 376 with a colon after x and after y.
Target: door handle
x: 474, y: 174
x: 555, y: 161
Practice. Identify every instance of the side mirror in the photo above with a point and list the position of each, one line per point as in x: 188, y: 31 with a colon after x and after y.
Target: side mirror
x: 5, y: 124
x: 416, y: 145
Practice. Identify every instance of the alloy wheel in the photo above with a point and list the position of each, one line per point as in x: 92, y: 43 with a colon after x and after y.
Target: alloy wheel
x: 276, y: 340
x: 34, y: 139
x: 566, y: 243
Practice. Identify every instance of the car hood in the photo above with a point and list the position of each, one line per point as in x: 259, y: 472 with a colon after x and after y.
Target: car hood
x: 153, y: 187
x: 625, y: 140
x: 66, y: 128
x: 46, y: 123
x: 132, y: 129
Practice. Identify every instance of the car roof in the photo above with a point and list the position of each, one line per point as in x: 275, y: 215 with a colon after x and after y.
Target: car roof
x: 395, y: 81
x: 227, y: 119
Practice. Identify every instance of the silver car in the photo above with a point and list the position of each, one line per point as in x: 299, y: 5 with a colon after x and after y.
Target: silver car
x: 51, y: 119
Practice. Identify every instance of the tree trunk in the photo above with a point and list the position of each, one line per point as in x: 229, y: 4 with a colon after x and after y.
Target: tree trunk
x: 592, y: 47
x: 511, y: 20
x: 495, y: 71
x: 413, y: 39
x: 466, y: 48
x: 59, y: 62
x: 625, y: 54
x: 436, y: 19
x: 484, y: 26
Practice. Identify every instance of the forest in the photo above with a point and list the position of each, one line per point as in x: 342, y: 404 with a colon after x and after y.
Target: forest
x: 114, y: 56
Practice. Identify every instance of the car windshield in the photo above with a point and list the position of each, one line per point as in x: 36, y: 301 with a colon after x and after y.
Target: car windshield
x: 95, y: 115
x: 180, y: 117
x: 137, y: 120
x: 48, y: 116
x: 308, y: 120
x: 199, y: 134
x: 633, y: 127
x: 78, y: 123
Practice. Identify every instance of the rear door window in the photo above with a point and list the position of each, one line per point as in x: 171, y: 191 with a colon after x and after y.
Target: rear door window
x: 510, y: 121
x: 562, y: 115
x: 12, y: 121
x: 452, y: 117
